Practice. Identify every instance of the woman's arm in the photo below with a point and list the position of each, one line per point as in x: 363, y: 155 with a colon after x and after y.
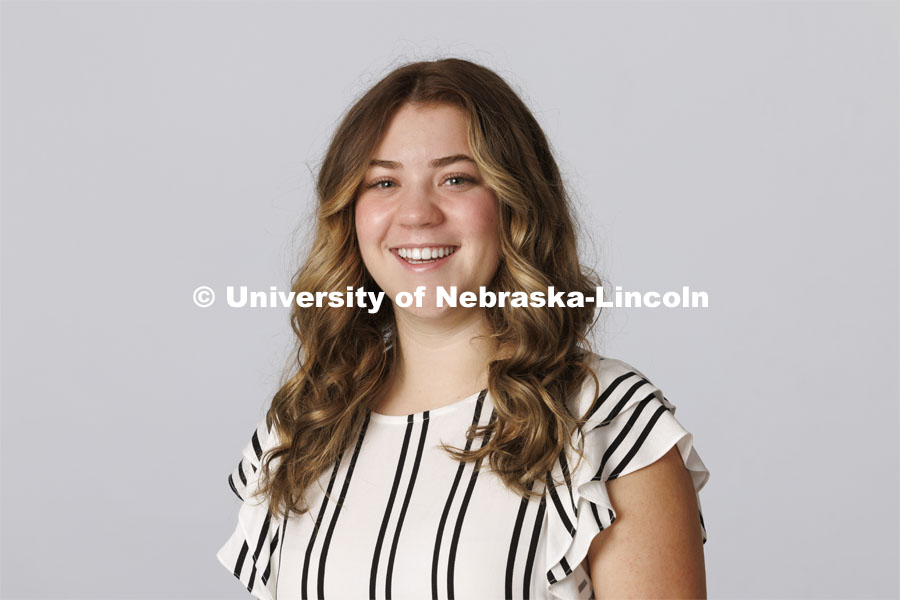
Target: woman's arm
x: 654, y: 549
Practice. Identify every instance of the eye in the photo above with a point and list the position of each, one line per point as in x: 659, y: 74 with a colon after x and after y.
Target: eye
x: 456, y: 179
x: 462, y: 177
x: 377, y: 184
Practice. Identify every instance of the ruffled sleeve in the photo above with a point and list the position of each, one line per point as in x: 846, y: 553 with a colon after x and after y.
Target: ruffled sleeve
x: 250, y: 554
x: 630, y: 425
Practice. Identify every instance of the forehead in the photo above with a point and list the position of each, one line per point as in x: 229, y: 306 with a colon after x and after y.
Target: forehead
x: 419, y: 133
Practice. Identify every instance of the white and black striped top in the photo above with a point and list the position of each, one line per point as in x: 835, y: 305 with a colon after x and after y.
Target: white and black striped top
x: 411, y: 523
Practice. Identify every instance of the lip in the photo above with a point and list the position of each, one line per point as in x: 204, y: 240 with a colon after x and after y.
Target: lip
x: 424, y: 267
x: 428, y: 245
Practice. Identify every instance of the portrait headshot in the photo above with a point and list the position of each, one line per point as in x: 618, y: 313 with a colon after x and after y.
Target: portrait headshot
x: 398, y: 300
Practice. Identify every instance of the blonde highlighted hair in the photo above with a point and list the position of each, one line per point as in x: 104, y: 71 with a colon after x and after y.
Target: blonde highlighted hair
x: 344, y: 357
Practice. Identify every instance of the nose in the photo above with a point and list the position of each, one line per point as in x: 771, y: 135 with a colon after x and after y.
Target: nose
x: 419, y: 208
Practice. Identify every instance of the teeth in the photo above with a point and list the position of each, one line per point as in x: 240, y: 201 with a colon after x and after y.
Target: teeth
x: 420, y: 255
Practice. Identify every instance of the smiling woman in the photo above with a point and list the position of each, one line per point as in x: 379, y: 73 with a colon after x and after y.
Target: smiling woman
x: 458, y: 451
x: 414, y: 205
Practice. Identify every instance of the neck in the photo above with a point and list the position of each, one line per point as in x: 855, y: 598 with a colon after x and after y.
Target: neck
x: 440, y: 361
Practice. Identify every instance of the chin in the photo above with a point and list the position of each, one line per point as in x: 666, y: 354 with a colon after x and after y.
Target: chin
x: 431, y: 313
x: 435, y: 313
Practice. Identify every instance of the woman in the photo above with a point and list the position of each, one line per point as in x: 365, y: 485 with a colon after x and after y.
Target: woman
x: 458, y: 452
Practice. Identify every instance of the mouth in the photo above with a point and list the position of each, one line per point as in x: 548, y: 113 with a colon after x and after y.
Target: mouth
x: 424, y: 254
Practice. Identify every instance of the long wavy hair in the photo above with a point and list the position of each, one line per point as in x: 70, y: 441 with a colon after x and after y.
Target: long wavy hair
x: 345, y: 356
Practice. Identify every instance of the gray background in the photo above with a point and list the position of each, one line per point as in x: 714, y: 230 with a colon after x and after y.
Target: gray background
x: 748, y: 149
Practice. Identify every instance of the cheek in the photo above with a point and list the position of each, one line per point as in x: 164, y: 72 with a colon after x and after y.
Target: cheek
x: 484, y: 216
x: 368, y: 224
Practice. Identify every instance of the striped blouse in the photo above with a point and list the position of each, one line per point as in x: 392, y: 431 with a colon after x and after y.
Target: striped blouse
x: 407, y: 521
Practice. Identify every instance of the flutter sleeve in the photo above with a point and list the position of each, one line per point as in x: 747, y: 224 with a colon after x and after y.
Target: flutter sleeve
x: 630, y: 425
x: 250, y: 554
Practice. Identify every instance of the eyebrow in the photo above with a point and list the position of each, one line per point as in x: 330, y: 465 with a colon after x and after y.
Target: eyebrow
x: 436, y: 163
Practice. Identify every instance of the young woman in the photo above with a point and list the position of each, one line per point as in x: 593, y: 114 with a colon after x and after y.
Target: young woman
x: 447, y: 452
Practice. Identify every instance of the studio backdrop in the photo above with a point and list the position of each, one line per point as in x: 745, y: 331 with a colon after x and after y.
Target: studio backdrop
x: 748, y: 150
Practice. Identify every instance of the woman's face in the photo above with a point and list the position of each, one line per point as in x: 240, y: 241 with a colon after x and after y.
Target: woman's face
x: 424, y: 216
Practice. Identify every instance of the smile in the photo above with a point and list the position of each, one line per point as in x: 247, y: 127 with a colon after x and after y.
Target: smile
x: 429, y: 254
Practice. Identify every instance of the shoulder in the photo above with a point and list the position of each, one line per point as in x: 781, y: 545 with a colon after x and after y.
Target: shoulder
x: 618, y: 387
x: 658, y: 519
x: 632, y: 491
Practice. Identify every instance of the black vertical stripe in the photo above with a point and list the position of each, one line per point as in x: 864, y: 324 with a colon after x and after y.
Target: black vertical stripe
x: 272, y: 546
x: 262, y: 536
x: 454, y: 543
x: 565, y: 565
x: 557, y: 503
x: 564, y: 465
x: 340, y: 504
x: 607, y: 393
x: 263, y: 533
x: 532, y: 548
x: 626, y: 429
x: 315, y: 532
x: 440, y: 532
x: 639, y: 442
x: 514, y: 544
x: 241, y: 473
x: 409, y: 491
x: 596, y: 516
x: 239, y: 565
x: 390, y: 505
x: 252, y: 578
x: 256, y: 447
x: 623, y: 402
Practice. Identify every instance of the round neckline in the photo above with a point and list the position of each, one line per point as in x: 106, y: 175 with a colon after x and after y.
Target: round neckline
x: 425, y: 414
